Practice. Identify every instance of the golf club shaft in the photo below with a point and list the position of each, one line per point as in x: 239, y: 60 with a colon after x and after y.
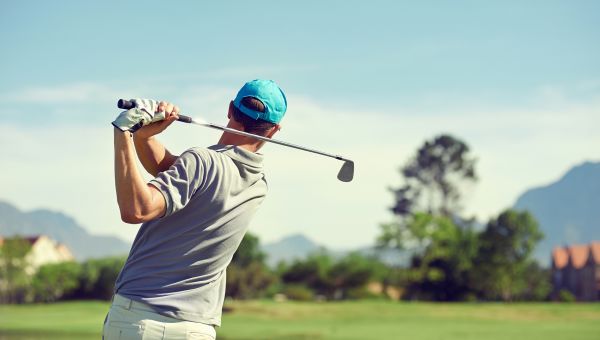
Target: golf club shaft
x: 126, y: 105
x: 270, y: 140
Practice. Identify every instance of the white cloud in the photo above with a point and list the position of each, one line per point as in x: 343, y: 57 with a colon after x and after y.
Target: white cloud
x: 70, y: 168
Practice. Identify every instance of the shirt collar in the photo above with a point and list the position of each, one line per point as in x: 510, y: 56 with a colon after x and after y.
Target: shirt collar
x: 240, y: 154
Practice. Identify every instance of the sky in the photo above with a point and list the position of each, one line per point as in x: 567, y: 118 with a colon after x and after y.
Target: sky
x: 518, y: 81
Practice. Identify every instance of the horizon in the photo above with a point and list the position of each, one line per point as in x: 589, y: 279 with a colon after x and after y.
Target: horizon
x: 519, y: 83
x: 295, y: 234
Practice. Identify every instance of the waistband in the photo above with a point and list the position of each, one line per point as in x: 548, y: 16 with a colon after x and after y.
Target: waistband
x: 121, y: 301
x: 127, y: 303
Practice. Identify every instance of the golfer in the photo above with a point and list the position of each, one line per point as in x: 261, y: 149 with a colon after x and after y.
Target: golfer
x: 194, y: 213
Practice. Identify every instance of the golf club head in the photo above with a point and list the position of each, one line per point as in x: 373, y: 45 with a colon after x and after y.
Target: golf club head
x: 346, y: 172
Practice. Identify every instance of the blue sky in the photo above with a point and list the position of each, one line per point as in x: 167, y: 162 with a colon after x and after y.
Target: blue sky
x: 375, y: 51
x: 518, y: 80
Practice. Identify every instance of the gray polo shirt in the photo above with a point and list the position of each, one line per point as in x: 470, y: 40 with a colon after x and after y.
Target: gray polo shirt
x: 177, y: 262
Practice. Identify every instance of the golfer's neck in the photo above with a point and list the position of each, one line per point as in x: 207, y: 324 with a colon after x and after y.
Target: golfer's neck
x: 249, y: 144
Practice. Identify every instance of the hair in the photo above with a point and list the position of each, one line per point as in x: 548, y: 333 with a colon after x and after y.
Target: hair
x: 251, y: 125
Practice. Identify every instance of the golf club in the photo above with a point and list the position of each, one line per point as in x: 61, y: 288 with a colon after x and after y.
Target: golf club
x: 345, y: 174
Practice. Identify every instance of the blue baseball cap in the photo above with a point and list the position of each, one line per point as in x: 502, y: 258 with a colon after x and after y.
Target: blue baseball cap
x: 269, y: 94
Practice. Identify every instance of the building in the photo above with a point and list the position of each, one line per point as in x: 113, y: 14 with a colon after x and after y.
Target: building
x: 44, y: 250
x: 576, y: 269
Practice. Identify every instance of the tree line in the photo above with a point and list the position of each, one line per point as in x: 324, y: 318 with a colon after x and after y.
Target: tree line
x: 90, y: 280
x: 452, y: 257
x: 248, y: 276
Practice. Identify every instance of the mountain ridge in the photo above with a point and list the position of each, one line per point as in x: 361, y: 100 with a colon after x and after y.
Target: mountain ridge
x: 60, y: 227
x: 298, y: 246
x: 567, y: 209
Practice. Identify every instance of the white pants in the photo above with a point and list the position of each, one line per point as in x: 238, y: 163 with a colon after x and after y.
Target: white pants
x: 132, y: 320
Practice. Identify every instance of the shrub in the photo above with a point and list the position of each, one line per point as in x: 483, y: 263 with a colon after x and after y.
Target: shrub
x: 97, y: 278
x: 362, y: 293
x: 249, y: 282
x: 298, y: 293
x: 54, y: 281
x: 566, y: 296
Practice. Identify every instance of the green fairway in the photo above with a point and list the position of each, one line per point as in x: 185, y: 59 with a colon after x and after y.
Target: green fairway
x: 339, y: 320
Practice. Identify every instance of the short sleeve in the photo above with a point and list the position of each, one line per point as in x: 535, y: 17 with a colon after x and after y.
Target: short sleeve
x: 179, y: 183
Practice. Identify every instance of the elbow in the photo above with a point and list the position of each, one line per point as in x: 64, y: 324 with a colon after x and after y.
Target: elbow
x: 138, y: 211
x: 131, y: 217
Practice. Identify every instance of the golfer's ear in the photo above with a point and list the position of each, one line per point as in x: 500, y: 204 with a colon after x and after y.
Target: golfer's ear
x: 273, y: 130
x: 230, y: 111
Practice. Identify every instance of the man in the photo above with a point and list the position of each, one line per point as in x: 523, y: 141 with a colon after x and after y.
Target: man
x: 194, y: 212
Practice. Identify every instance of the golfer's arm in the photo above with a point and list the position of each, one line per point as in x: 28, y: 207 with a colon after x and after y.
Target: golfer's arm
x: 138, y: 201
x: 153, y: 155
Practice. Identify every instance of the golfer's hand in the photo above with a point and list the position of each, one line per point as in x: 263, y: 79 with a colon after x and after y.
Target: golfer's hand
x: 146, y: 111
x: 171, y: 113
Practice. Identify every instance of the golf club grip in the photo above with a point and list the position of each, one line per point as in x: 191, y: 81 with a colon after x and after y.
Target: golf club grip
x: 126, y: 105
x: 184, y: 118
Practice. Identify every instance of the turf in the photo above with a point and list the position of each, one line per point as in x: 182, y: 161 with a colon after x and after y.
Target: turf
x: 340, y: 320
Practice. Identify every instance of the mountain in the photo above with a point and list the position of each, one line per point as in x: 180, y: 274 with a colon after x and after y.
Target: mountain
x: 289, y: 248
x: 568, y: 210
x: 298, y: 246
x: 61, y: 228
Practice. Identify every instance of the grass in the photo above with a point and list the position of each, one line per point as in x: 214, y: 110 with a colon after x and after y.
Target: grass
x: 339, y: 320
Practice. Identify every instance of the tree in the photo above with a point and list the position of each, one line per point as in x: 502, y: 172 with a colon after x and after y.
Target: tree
x: 428, y: 223
x: 248, y: 251
x: 14, y: 281
x: 442, y: 261
x: 312, y: 272
x: 249, y: 282
x: 436, y: 171
x: 350, y: 275
x: 343, y: 278
x: 537, y: 283
x: 55, y: 281
x: 109, y: 269
x: 97, y: 278
x: 248, y: 276
x: 504, y: 262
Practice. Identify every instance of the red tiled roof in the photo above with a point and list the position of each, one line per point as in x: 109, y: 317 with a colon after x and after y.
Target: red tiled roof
x: 595, y: 250
x: 578, y: 255
x: 560, y: 257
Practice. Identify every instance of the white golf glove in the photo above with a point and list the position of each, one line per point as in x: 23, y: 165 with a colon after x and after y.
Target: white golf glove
x: 142, y: 114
